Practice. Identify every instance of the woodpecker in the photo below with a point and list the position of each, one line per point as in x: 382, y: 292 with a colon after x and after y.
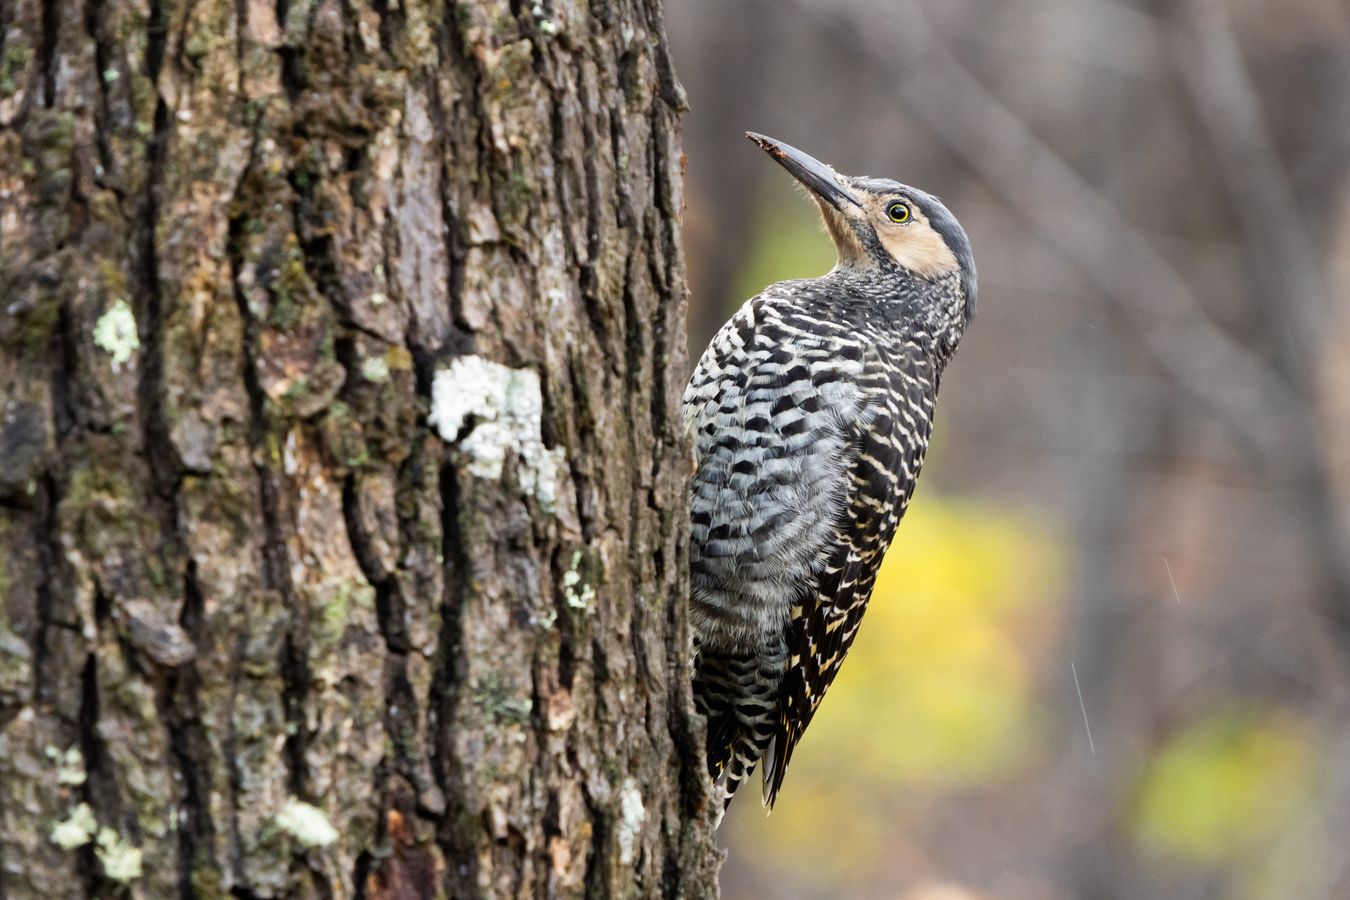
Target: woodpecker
x: 810, y: 414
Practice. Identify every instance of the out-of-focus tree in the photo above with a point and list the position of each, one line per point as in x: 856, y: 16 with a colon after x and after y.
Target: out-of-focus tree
x: 1158, y: 198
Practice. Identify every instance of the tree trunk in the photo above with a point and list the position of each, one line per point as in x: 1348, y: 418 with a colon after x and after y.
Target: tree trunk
x: 341, y: 473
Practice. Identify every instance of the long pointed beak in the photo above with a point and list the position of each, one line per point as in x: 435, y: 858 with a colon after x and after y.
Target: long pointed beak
x: 819, y: 178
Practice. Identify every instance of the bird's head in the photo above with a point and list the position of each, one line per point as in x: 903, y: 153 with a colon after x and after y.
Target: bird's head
x: 883, y: 225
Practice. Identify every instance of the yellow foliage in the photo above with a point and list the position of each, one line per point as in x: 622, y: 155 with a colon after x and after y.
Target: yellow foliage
x: 1224, y: 785
x: 936, y: 686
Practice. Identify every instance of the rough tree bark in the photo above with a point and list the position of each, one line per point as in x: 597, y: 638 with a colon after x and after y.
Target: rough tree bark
x: 341, y: 480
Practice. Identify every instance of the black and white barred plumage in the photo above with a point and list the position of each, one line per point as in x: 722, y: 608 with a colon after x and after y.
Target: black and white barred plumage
x: 810, y: 413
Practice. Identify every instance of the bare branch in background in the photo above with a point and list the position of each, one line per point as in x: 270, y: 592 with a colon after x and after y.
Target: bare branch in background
x: 1287, y: 276
x: 1280, y: 245
x: 1089, y: 229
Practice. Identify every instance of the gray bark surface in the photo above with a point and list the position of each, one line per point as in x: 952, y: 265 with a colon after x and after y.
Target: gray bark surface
x: 269, y: 564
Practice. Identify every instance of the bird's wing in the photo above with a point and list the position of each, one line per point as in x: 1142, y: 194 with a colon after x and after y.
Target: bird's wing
x: 890, y: 447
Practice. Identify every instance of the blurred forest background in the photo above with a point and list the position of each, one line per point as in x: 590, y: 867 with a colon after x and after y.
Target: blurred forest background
x: 1140, y: 484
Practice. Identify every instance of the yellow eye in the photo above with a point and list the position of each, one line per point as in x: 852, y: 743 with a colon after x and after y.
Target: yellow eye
x: 898, y: 212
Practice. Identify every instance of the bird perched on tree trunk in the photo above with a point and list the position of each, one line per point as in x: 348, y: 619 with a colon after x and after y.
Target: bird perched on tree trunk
x: 810, y: 413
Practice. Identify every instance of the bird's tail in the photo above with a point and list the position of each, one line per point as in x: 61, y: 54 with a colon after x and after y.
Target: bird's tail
x: 738, y: 693
x: 740, y: 765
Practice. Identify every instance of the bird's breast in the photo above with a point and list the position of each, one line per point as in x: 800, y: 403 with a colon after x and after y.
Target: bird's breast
x: 772, y: 422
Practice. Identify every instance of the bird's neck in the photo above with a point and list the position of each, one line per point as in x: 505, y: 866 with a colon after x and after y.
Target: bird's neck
x: 901, y: 305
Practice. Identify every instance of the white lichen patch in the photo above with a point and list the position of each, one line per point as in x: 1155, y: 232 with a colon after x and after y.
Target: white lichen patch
x: 69, y: 765
x: 120, y: 859
x: 504, y: 408
x: 115, y: 334
x: 583, y: 598
x: 631, y: 816
x: 375, y: 369
x: 76, y: 829
x: 307, y: 824
x: 487, y: 445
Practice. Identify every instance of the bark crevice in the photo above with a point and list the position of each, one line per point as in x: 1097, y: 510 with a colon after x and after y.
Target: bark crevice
x: 188, y: 742
x: 48, y: 60
x: 275, y: 557
x: 96, y: 790
x: 445, y: 689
